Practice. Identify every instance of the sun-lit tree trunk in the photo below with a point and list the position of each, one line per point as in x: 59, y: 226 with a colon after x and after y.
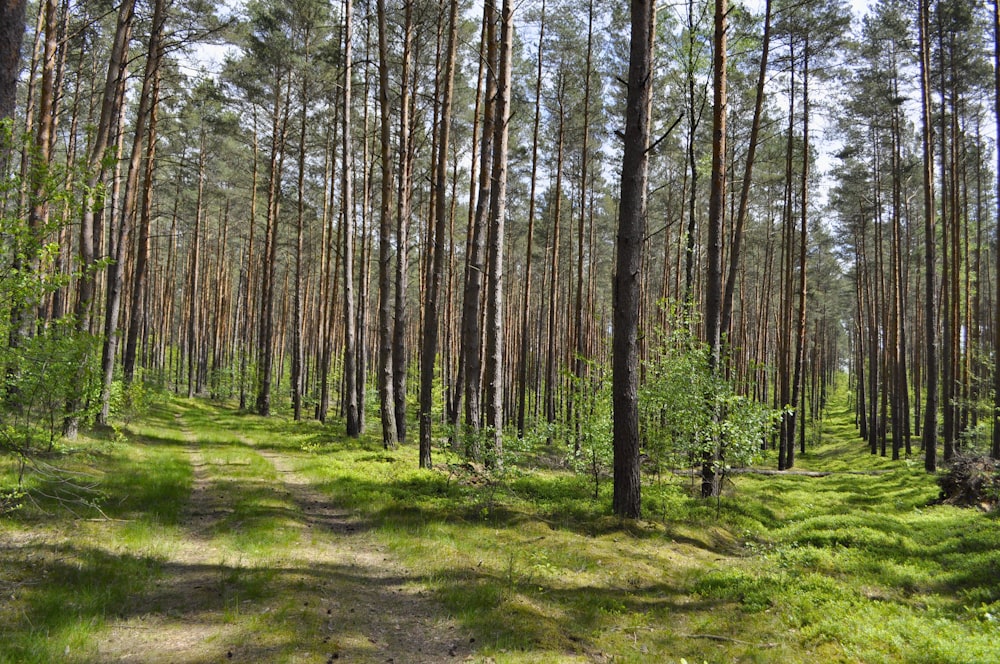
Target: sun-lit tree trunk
x: 473, y: 290
x: 194, y: 276
x: 111, y: 102
x: 437, y: 242
x: 351, y: 403
x: 797, y: 420
x: 627, y: 500
x: 298, y: 324
x: 400, y: 347
x: 385, y: 298
x: 716, y: 210
x: 995, y: 447
x: 246, y: 338
x: 930, y: 324
x: 265, y: 336
x: 495, y: 365
x: 526, y: 320
x: 138, y: 308
x: 116, y: 269
x: 579, y: 360
x: 551, y: 358
x: 735, y: 252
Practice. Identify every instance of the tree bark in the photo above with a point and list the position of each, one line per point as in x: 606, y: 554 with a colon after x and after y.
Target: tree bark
x: 116, y: 271
x: 351, y: 404
x: 385, y: 299
x: 111, y: 102
x: 627, y: 500
x: 430, y: 340
x: 735, y: 252
x: 526, y: 320
x: 930, y: 324
x: 716, y: 210
x: 995, y: 446
x: 12, y: 14
x: 495, y: 255
x: 473, y: 290
x: 400, y: 347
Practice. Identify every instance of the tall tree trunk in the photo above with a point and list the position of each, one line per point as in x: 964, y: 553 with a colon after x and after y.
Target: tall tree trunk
x: 526, y: 320
x: 116, y: 269
x: 400, y: 348
x: 11, y: 35
x: 495, y: 262
x: 351, y: 404
x: 735, y: 252
x: 930, y: 324
x: 627, y: 500
x: 995, y: 447
x: 551, y: 359
x: 716, y: 210
x: 194, y: 279
x: 385, y: 321
x: 248, y: 269
x: 578, y: 362
x: 111, y: 102
x: 430, y: 340
x: 298, y: 323
x: 265, y: 336
x: 471, y: 304
x: 800, y: 327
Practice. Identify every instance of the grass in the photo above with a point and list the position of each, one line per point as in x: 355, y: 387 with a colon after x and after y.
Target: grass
x: 846, y: 567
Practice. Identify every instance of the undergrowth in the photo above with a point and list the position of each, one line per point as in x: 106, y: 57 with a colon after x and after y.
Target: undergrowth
x: 846, y: 567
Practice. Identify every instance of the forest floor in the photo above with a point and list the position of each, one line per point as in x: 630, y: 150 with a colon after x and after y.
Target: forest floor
x: 201, y: 534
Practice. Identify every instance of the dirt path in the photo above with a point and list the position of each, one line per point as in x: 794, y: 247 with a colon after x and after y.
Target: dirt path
x: 330, y: 593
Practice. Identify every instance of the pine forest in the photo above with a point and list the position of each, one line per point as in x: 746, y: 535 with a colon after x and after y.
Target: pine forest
x: 682, y: 319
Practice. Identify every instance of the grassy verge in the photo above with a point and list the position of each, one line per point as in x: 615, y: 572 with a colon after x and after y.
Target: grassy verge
x: 88, y: 543
x: 847, y: 567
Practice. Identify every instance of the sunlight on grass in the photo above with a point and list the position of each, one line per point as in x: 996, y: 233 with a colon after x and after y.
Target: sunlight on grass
x: 847, y: 567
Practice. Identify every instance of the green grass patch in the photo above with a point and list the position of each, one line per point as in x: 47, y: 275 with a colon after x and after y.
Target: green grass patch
x: 848, y: 567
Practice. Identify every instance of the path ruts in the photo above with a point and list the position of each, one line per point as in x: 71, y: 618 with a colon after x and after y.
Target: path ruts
x: 333, y: 594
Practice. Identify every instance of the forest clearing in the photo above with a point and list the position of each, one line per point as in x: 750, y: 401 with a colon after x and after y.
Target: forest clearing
x: 224, y: 536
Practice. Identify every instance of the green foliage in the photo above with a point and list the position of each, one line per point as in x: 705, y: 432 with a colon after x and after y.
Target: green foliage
x: 590, y: 449
x: 689, y: 411
x: 43, y: 372
x: 846, y: 567
x: 131, y: 401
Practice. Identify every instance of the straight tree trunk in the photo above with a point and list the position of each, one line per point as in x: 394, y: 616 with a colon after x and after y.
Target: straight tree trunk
x: 385, y: 323
x: 495, y: 366
x: 995, y: 446
x: 472, y: 302
x: 351, y: 403
x: 716, y: 210
x: 111, y: 102
x: 735, y: 252
x: 430, y: 340
x: 800, y: 327
x: 551, y: 359
x: 627, y: 500
x: 400, y: 347
x: 526, y: 320
x: 12, y: 13
x: 194, y: 313
x: 930, y: 325
x: 265, y: 337
x: 298, y: 324
x: 116, y: 269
